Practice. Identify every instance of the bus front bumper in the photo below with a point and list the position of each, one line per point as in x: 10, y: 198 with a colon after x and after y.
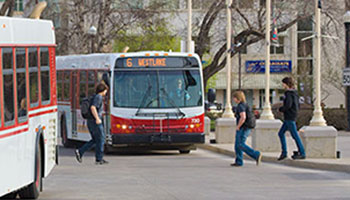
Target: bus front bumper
x: 157, y: 138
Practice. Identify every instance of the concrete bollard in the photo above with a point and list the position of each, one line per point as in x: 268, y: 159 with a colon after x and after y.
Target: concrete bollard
x: 319, y: 141
x: 225, y: 130
x: 206, y: 125
x: 265, y: 136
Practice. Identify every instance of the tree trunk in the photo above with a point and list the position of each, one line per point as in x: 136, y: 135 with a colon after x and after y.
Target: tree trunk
x: 347, y: 5
x: 7, y: 6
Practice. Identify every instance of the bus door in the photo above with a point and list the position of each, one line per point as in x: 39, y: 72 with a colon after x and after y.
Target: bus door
x: 74, y: 104
x: 106, y: 109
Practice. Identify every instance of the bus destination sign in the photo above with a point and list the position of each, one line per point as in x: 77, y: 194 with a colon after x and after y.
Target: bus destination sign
x: 154, y: 62
x: 146, y: 62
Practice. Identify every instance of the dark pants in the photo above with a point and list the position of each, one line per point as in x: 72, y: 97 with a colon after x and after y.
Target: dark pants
x: 240, y: 146
x: 292, y: 127
x: 97, y: 139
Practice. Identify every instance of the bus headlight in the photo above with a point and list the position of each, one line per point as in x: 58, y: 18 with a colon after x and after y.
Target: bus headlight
x: 124, y: 126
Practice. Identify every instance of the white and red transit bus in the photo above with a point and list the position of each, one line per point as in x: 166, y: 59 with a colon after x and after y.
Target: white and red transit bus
x: 28, y: 111
x: 155, y: 99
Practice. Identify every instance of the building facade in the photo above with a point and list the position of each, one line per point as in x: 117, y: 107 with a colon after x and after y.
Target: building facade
x: 292, y: 55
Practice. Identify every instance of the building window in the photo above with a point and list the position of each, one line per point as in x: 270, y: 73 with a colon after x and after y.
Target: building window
x: 305, y: 60
x: 243, y: 4
x: 278, y: 47
x: 45, y: 75
x: 200, y: 4
x: 129, y: 4
x: 262, y: 98
x: 18, y: 5
x: 21, y: 84
x: 165, y: 4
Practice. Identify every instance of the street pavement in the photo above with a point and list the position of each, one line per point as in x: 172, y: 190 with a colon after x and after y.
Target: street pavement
x: 198, y: 175
x: 341, y: 164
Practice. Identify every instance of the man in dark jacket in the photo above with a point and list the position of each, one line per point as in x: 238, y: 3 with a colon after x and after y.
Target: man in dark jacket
x: 290, y: 110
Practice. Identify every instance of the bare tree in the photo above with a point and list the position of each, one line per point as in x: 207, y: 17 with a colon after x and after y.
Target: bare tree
x: 251, y: 28
x: 110, y: 17
x: 7, y: 7
x: 347, y: 4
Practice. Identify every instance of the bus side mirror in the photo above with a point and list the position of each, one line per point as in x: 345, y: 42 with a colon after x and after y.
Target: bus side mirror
x: 211, y: 95
x: 105, y: 78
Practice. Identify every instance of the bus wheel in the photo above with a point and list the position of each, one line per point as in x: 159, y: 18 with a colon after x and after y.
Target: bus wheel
x: 33, y: 190
x: 184, y: 151
x: 108, y: 149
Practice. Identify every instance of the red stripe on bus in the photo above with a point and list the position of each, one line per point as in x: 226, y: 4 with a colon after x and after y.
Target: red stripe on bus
x: 13, y: 133
x: 13, y: 126
x: 43, y: 112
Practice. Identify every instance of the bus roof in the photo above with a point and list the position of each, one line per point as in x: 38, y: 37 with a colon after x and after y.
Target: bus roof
x: 24, y: 31
x: 105, y: 61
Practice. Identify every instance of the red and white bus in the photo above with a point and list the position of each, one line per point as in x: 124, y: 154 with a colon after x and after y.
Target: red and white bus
x: 155, y: 99
x: 28, y: 111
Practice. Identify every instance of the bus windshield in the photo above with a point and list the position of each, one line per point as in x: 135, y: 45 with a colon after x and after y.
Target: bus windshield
x: 157, y: 89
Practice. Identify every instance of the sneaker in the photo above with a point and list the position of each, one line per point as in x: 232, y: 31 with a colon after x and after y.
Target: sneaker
x: 298, y: 157
x: 258, y: 160
x: 77, y: 156
x: 101, y: 162
x: 235, y: 165
x: 282, y: 157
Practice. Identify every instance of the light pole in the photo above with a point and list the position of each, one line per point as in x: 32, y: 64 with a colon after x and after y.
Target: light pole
x: 347, y: 43
x: 317, y: 118
x: 228, y: 108
x: 92, y: 32
x: 233, y: 50
x: 267, y: 113
x: 189, y: 26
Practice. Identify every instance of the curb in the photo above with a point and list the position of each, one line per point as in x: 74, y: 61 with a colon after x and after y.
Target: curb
x: 308, y: 164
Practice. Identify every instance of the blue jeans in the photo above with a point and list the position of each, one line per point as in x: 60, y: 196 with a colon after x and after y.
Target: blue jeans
x: 240, y: 146
x: 97, y: 139
x: 292, y: 127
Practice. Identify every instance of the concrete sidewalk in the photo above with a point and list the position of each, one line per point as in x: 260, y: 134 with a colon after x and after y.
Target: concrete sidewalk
x: 341, y: 165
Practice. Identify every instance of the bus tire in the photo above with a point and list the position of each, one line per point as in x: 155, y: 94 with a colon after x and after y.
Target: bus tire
x: 108, y: 149
x: 33, y: 190
x: 184, y: 151
x: 64, y: 136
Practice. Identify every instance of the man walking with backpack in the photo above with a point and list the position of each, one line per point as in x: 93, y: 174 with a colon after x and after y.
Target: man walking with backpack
x: 245, y: 122
x: 290, y: 110
x: 95, y: 126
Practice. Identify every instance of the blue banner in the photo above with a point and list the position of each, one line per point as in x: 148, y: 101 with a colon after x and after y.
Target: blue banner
x: 276, y: 66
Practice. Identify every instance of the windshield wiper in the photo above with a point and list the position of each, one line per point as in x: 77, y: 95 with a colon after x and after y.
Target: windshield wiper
x: 172, y: 102
x: 144, y: 99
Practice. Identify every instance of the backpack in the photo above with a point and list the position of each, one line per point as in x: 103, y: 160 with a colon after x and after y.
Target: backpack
x: 250, y: 121
x: 85, y: 105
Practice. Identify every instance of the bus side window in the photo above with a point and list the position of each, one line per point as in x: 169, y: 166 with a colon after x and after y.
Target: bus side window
x: 33, y: 77
x: 66, y: 85
x: 91, y: 83
x: 83, y: 85
x: 45, y: 75
x: 7, y: 64
x: 21, y: 84
x: 59, y: 85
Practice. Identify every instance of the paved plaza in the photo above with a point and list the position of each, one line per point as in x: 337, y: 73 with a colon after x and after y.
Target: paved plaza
x: 199, y: 175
